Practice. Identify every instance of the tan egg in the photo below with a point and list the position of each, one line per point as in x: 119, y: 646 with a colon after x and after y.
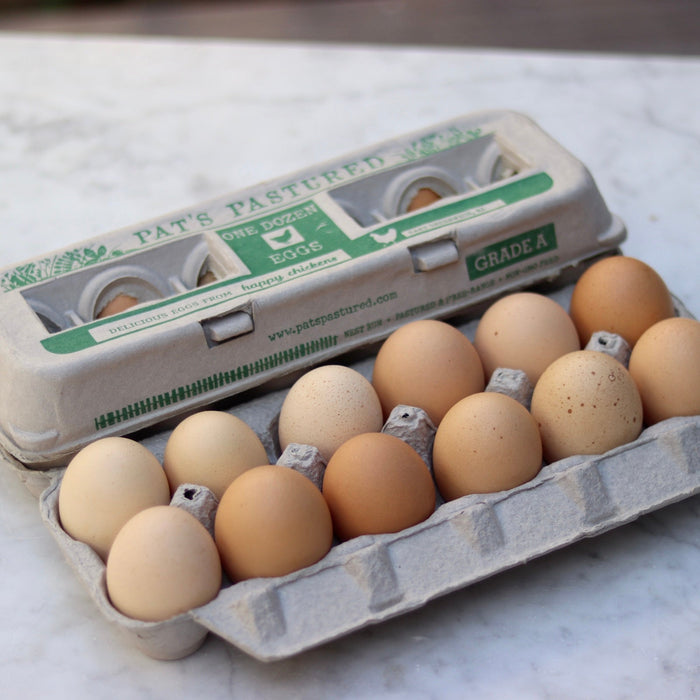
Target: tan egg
x: 427, y: 364
x: 586, y: 402
x: 524, y: 331
x: 327, y: 406
x: 619, y: 295
x: 120, y: 303
x: 271, y: 521
x: 211, y: 448
x: 104, y: 485
x: 424, y: 197
x: 487, y: 442
x: 376, y: 483
x: 665, y: 364
x: 163, y: 562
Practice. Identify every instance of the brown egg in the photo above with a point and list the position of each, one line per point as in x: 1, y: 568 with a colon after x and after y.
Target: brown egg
x: 487, y: 442
x: 163, y: 562
x: 525, y: 331
x: 211, y: 448
x: 120, y: 303
x: 620, y: 295
x: 586, y: 402
x: 665, y: 364
x: 104, y: 485
x: 427, y: 364
x: 424, y: 197
x: 271, y: 521
x: 376, y: 483
x: 327, y: 406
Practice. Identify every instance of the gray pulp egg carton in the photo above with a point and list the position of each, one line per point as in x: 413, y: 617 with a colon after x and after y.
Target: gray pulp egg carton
x: 372, y: 578
x: 237, y: 292
x: 251, y: 288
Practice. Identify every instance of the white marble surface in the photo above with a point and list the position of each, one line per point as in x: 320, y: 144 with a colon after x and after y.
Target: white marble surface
x: 98, y: 133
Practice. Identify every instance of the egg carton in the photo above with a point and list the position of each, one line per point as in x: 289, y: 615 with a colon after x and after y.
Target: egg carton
x: 372, y: 578
x: 505, y: 187
x: 249, y: 288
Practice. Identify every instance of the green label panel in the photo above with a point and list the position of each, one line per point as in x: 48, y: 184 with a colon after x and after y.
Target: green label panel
x: 511, y: 251
x: 293, y: 236
x: 303, y: 240
x: 289, y: 238
x: 468, y: 208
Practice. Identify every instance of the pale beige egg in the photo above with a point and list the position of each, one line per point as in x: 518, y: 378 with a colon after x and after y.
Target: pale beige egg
x: 525, y: 331
x: 163, y: 562
x: 427, y: 364
x: 376, y: 483
x: 621, y: 295
x: 104, y: 485
x: 271, y: 521
x: 327, y: 406
x: 487, y: 442
x: 586, y: 402
x: 665, y: 364
x: 211, y: 448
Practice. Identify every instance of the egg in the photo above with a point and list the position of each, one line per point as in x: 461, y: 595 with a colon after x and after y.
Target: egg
x: 427, y: 364
x: 271, y: 521
x: 211, y: 448
x: 163, y: 562
x: 119, y: 303
x: 619, y: 295
x: 424, y: 197
x: 665, y: 364
x: 586, y: 402
x: 376, y: 483
x: 326, y: 406
x: 104, y: 485
x: 487, y: 442
x: 525, y: 331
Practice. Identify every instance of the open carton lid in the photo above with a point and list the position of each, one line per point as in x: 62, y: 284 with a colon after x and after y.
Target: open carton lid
x: 234, y: 293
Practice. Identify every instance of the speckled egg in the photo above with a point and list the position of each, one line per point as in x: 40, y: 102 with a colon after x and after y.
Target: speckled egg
x: 327, y: 406
x: 586, y: 402
x: 487, y: 442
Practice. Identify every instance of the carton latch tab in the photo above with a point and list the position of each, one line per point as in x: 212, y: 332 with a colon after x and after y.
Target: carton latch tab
x: 222, y: 328
x: 435, y: 254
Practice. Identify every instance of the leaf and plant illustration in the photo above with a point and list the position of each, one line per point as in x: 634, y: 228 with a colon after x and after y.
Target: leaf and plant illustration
x: 439, y: 141
x: 55, y: 266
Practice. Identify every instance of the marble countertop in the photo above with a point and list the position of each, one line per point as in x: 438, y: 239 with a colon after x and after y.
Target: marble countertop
x: 98, y: 133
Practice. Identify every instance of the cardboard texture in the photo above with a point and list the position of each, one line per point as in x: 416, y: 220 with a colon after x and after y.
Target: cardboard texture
x: 307, y: 268
x: 372, y: 578
x: 250, y: 288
